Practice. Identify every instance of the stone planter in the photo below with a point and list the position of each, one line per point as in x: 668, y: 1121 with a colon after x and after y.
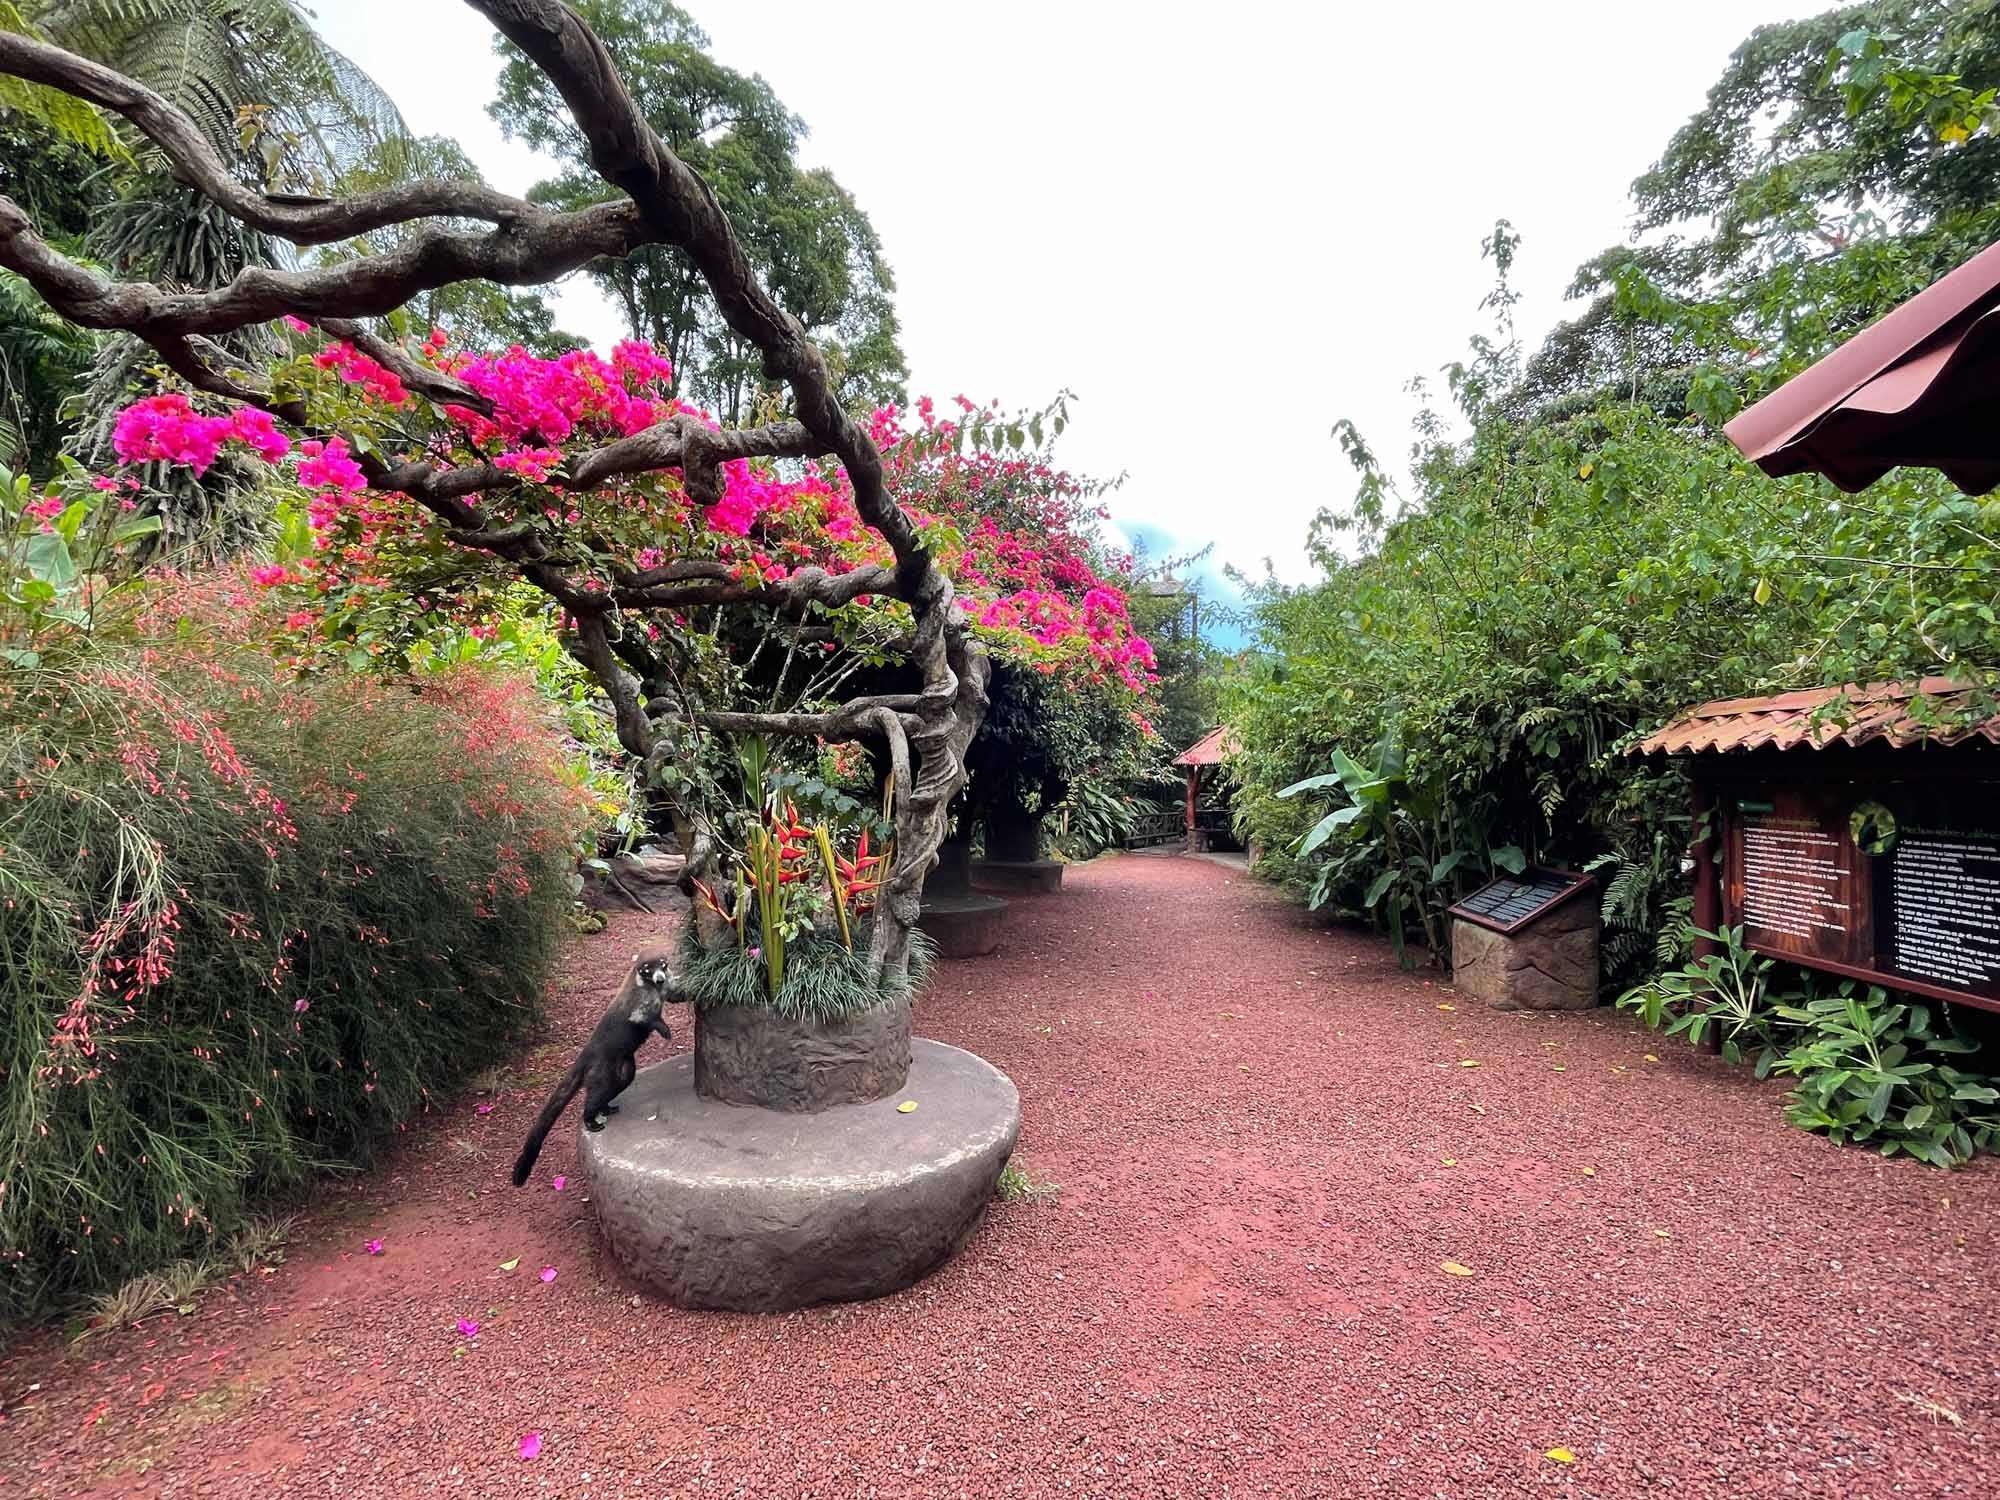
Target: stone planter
x: 1024, y: 877
x: 1013, y: 837
x: 952, y: 874
x: 1548, y: 965
x: 761, y: 1058
x: 966, y: 926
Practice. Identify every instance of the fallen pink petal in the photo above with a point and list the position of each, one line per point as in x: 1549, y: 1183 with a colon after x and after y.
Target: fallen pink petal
x: 484, y: 1109
x: 373, y: 1247
x: 468, y: 1327
x: 531, y: 1446
x: 548, y: 1273
x: 559, y: 1183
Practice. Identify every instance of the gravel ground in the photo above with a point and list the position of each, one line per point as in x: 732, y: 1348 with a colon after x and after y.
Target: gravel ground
x: 1267, y: 1142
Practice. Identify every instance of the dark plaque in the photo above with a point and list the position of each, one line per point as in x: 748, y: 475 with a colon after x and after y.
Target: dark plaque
x: 1884, y: 875
x: 1944, y: 908
x: 1515, y: 900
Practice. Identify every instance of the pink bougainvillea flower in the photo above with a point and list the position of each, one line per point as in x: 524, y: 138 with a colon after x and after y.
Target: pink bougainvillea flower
x: 484, y: 1109
x: 373, y: 1247
x: 300, y: 1007
x: 559, y: 1183
x: 468, y: 1328
x: 531, y: 1446
x: 297, y: 324
x: 548, y: 1273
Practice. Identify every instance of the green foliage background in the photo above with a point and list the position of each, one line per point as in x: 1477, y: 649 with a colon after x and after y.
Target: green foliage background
x: 1579, y: 554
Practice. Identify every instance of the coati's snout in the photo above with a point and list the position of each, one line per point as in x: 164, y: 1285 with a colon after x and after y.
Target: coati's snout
x: 652, y: 973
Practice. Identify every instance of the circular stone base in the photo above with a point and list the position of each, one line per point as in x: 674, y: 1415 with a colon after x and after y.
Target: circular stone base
x: 1025, y: 876
x: 963, y: 926
x: 751, y: 1210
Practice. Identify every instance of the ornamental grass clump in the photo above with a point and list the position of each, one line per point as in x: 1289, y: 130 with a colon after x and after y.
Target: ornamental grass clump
x: 249, y: 924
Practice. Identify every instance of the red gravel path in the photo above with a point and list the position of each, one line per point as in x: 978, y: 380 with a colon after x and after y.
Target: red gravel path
x: 1239, y: 1291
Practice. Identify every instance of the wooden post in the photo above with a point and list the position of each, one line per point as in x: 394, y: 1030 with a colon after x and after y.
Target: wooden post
x: 1194, y: 782
x: 1707, y: 880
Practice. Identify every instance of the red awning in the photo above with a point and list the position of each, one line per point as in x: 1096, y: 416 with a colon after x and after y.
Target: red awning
x: 1917, y: 387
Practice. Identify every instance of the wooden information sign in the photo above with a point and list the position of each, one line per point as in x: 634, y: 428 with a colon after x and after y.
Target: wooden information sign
x: 1892, y: 878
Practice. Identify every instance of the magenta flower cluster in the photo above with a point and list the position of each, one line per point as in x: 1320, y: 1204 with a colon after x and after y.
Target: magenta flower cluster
x: 167, y: 428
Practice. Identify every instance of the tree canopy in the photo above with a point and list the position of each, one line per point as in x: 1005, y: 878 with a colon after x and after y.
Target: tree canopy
x: 807, y: 239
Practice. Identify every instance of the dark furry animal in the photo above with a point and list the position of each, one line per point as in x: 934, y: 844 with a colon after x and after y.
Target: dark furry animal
x: 605, y: 1067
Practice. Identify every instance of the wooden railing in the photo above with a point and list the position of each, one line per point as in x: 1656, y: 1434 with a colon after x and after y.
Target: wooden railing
x: 1170, y: 826
x: 1149, y: 829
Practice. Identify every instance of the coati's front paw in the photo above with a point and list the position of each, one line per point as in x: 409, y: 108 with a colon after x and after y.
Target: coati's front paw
x: 594, y: 1124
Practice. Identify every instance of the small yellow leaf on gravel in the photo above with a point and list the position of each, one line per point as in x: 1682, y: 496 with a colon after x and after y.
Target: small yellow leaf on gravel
x: 1451, y: 1161
x: 1447, y: 1007
x: 907, y: 1107
x: 1651, y: 1058
x: 1243, y: 1067
x: 1590, y: 1171
x: 1477, y: 1109
x: 1560, y: 1455
x: 508, y: 1265
x: 1453, y: 1268
x: 1560, y: 1068
x: 1663, y: 1234
x: 1469, y: 1062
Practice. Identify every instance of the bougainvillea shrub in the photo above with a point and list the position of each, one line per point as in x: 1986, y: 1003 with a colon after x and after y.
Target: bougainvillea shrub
x: 250, y: 923
x: 378, y: 571
x: 370, y: 575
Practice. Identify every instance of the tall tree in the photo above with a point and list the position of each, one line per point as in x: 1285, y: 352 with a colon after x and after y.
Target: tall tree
x: 581, y: 478
x: 808, y: 240
x: 1840, y: 164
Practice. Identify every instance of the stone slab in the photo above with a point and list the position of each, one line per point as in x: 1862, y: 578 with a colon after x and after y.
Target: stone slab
x: 752, y: 1210
x: 1549, y: 965
x: 753, y: 1056
x: 963, y: 926
x: 1018, y: 876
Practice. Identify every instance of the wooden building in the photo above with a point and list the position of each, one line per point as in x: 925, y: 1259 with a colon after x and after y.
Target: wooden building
x: 1853, y: 830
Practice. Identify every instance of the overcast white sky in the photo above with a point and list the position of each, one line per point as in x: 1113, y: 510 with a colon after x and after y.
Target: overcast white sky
x: 1222, y: 226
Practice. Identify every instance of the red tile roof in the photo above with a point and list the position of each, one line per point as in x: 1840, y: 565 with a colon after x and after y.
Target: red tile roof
x: 1211, y: 748
x: 1880, y: 711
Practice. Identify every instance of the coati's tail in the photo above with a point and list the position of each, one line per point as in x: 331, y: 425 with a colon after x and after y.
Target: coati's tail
x: 545, y: 1121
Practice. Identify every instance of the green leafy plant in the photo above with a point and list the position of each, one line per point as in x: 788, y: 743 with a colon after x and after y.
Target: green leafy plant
x: 251, y: 923
x: 1726, y: 992
x: 790, y: 878
x: 823, y: 980
x: 1397, y: 834
x: 1876, y: 1072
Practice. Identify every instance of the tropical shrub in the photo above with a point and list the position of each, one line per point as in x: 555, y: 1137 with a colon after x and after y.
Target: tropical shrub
x: 1871, y: 1070
x: 252, y: 922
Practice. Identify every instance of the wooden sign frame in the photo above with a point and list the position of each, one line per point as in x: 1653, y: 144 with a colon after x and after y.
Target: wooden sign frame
x: 1916, y: 910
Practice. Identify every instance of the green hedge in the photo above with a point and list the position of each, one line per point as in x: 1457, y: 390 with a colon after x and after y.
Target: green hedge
x: 249, y: 925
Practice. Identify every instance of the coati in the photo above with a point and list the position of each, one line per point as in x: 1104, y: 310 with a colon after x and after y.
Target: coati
x: 605, y: 1066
